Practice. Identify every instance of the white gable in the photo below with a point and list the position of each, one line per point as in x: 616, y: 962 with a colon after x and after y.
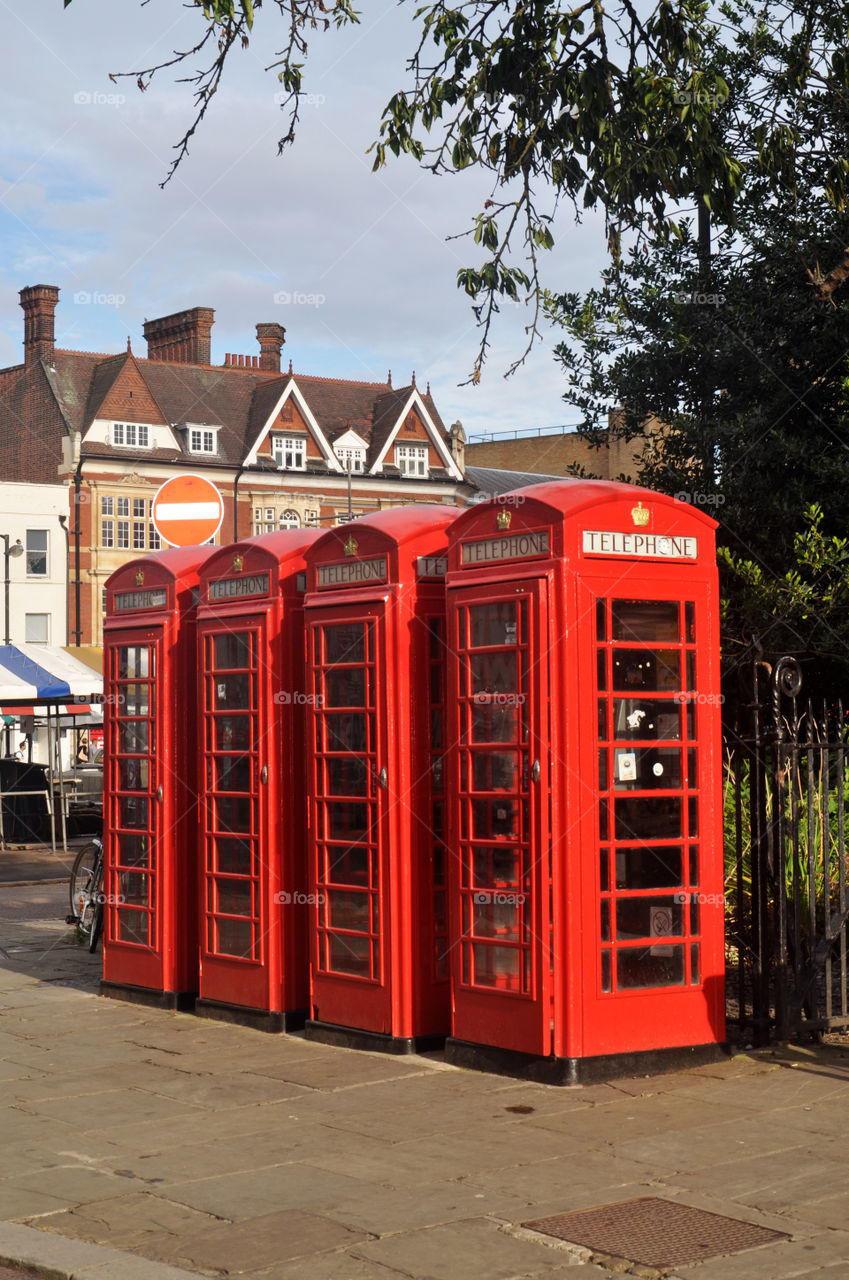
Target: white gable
x: 293, y: 392
x: 415, y: 401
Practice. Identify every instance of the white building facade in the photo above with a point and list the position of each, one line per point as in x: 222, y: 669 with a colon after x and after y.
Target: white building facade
x: 35, y: 516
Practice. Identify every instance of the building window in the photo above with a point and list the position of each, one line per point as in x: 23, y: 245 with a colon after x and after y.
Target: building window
x: 411, y: 459
x: 107, y: 533
x: 123, y: 535
x: 123, y: 507
x: 155, y: 540
x: 357, y: 457
x: 37, y: 553
x: 289, y: 520
x: 37, y: 628
x: 202, y: 440
x: 139, y: 531
x: 131, y: 435
x: 290, y: 452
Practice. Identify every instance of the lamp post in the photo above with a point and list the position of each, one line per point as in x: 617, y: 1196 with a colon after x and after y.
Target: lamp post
x: 17, y: 549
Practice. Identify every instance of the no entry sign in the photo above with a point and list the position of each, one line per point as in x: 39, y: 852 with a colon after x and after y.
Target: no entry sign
x: 187, y: 511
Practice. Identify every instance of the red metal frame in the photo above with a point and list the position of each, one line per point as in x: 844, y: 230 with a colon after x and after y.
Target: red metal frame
x: 253, y: 883
x: 625, y: 590
x: 150, y: 944
x: 375, y: 624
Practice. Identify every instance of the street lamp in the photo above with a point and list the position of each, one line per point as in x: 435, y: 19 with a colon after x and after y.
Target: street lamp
x: 17, y: 549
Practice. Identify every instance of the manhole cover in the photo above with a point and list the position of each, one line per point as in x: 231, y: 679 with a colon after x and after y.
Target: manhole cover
x: 658, y: 1233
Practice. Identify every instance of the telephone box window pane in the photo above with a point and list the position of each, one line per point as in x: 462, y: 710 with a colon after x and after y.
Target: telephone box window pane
x: 694, y: 914
x: 233, y: 937
x: 348, y: 866
x: 657, y: 670
x: 606, y: 983
x: 495, y: 771
x: 603, y: 820
x: 693, y: 816
x: 649, y: 868
x: 345, y: 642
x: 605, y: 920
x: 235, y: 649
x: 646, y: 718
x: 496, y: 817
x: 133, y: 775
x: 601, y: 620
x: 638, y: 967
x: 648, y: 819
x: 133, y: 927
x: 347, y: 732
x: 694, y: 865
x: 602, y: 720
x: 232, y: 733
x: 495, y: 866
x: 233, y: 857
x: 232, y: 692
x: 694, y: 964
x: 691, y: 720
x: 233, y: 813
x: 601, y: 664
x: 348, y: 910
x: 690, y: 622
x: 495, y: 673
x: 232, y: 773
x: 135, y: 888
x: 649, y: 621
x: 691, y: 669
x: 692, y: 768
x: 349, y: 953
x: 602, y: 770
x: 345, y: 687
x: 233, y: 896
x: 649, y: 918
x: 436, y: 728
x: 493, y: 624
x: 136, y: 699
x: 347, y: 821
x: 604, y: 870
x: 494, y: 722
x: 647, y: 769
x: 493, y: 917
x: 132, y: 811
x: 133, y: 851
x: 133, y: 661
x: 348, y: 776
x: 497, y: 966
x: 133, y: 735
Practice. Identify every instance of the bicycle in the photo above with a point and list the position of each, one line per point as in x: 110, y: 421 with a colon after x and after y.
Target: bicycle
x: 86, y: 893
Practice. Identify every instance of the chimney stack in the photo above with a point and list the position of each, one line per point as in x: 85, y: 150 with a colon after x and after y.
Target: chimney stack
x: 183, y: 337
x: 39, y: 303
x: 271, y: 338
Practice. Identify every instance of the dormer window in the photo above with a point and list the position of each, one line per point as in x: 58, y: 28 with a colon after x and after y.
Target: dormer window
x: 131, y: 435
x: 289, y: 452
x: 411, y: 459
x: 357, y: 459
x: 203, y: 440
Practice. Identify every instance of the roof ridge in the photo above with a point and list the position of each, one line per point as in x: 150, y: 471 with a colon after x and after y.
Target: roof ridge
x: 348, y: 382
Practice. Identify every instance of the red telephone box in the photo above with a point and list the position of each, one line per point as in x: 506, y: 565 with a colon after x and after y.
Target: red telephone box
x: 253, y: 880
x: 375, y: 617
x: 586, y: 819
x: 150, y: 944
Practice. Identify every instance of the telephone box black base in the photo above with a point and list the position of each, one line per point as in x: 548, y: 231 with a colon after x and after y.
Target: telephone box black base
x: 174, y: 1001
x: 567, y: 1071
x: 259, y: 1019
x: 374, y: 1041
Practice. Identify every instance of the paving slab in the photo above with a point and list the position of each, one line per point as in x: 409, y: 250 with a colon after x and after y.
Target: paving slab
x: 475, y: 1249
x: 260, y: 1191
x: 265, y: 1241
x: 136, y: 1220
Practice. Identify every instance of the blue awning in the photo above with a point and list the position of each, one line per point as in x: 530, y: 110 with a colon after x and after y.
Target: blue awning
x: 46, y: 674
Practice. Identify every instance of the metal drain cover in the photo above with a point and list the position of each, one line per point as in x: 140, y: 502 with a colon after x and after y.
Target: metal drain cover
x: 657, y: 1233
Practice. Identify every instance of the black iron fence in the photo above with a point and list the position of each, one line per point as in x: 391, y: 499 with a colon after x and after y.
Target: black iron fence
x: 785, y: 808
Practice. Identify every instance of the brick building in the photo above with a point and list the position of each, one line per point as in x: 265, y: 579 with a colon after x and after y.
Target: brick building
x: 561, y: 451
x: 285, y: 449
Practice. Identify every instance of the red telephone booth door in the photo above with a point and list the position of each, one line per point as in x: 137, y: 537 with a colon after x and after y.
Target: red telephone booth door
x: 502, y: 975
x: 351, y: 985
x: 234, y: 908
x: 134, y: 821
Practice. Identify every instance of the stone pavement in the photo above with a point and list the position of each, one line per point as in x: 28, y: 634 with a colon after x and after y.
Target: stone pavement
x: 141, y: 1143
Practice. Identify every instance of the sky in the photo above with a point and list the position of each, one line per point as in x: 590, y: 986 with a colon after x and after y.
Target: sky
x: 357, y: 266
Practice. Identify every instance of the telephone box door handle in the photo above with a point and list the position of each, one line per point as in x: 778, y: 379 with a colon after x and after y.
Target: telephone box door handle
x: 159, y: 792
x: 263, y: 777
x: 382, y: 778
x: 535, y: 771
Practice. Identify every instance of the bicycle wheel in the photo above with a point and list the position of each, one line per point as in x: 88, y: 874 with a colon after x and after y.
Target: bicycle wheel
x: 85, y: 884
